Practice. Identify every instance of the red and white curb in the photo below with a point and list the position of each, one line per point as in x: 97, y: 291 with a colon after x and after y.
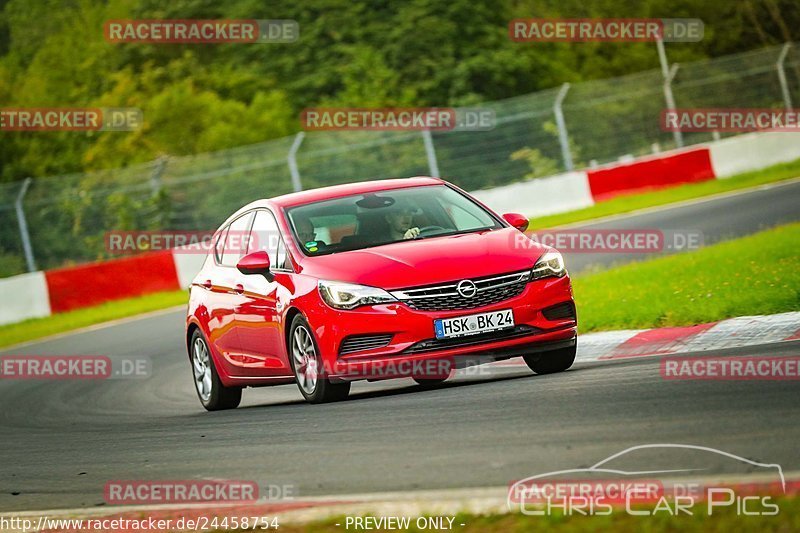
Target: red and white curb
x: 730, y: 333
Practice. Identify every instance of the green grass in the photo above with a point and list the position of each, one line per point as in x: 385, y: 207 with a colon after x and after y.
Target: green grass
x: 759, y: 274
x: 626, y: 204
x: 723, y: 520
x: 42, y: 327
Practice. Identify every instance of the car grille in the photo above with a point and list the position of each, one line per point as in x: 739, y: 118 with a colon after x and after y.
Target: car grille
x: 490, y: 290
x: 358, y: 343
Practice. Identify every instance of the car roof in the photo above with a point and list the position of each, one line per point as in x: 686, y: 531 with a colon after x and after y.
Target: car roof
x: 336, y: 191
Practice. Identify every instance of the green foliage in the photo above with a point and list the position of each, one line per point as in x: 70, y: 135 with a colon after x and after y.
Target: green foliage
x: 201, y: 98
x: 208, y: 97
x: 540, y: 165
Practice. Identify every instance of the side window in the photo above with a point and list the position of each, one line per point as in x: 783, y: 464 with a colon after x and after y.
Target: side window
x: 281, y: 261
x: 236, y: 240
x: 219, y: 246
x: 266, y: 236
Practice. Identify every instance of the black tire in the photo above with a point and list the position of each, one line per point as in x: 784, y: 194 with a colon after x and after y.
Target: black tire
x: 323, y: 390
x: 219, y: 397
x: 552, y: 361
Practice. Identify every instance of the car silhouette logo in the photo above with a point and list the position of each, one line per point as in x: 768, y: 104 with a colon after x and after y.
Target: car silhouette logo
x: 603, y: 467
x: 467, y: 288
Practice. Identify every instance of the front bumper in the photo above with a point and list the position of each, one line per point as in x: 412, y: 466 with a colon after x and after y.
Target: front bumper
x: 436, y: 365
x: 413, y: 339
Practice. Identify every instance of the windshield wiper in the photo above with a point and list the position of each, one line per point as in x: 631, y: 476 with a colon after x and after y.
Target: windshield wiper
x: 461, y: 232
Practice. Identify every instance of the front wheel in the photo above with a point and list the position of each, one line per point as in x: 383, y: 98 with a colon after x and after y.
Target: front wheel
x: 212, y: 393
x: 552, y: 361
x: 309, y: 370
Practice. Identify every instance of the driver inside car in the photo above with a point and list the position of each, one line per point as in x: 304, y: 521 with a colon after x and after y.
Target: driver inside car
x: 307, y: 234
x: 305, y: 229
x: 400, y: 219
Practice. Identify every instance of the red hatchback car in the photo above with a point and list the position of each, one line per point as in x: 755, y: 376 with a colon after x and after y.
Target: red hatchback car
x: 374, y: 280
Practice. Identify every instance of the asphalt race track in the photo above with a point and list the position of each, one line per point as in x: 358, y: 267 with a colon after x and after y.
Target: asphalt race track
x: 62, y: 441
x: 716, y: 219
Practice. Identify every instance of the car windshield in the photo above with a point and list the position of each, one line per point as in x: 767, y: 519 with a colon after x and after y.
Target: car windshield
x: 384, y: 217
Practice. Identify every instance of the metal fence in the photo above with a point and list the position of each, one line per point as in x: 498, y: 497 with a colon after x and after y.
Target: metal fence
x: 55, y: 221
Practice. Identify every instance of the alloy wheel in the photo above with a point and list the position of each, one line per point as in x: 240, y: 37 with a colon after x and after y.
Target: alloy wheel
x: 306, y: 362
x: 201, y: 365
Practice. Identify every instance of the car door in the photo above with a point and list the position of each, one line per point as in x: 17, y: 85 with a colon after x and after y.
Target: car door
x: 227, y: 292
x: 258, y: 315
x: 213, y: 280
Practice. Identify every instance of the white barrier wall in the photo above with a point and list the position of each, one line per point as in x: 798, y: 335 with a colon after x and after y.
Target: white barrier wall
x: 24, y: 296
x: 753, y: 151
x: 187, y: 265
x: 543, y: 196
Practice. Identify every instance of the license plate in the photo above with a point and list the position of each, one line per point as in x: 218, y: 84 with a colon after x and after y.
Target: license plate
x: 473, y: 324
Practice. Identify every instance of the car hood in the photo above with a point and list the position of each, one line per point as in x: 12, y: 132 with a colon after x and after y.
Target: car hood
x: 429, y: 261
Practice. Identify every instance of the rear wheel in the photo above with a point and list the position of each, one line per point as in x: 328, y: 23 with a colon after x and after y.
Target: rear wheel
x: 552, y: 361
x: 309, y: 370
x: 212, y: 393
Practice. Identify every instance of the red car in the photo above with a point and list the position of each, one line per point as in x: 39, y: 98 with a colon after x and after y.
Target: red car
x: 374, y: 280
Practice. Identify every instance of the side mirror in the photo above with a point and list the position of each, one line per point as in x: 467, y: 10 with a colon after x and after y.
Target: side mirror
x: 518, y: 221
x: 254, y: 263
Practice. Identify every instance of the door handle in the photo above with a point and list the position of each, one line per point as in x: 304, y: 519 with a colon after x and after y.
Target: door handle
x: 239, y: 288
x: 207, y: 284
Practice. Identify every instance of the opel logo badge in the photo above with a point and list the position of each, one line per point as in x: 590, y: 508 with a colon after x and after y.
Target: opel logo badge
x: 467, y: 288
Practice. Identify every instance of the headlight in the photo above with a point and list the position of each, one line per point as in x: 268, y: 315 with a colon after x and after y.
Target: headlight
x: 551, y: 264
x: 349, y: 296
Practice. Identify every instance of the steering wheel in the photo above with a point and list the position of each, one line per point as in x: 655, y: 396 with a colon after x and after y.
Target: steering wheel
x: 426, y: 229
